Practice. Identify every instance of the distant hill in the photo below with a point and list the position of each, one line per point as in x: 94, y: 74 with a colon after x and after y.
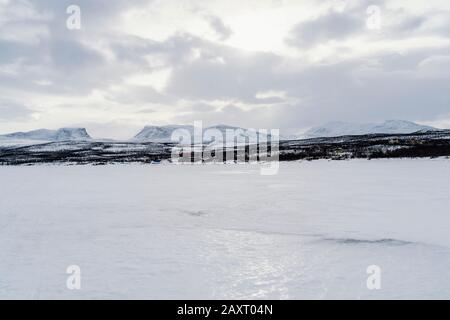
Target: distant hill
x: 336, y: 129
x: 160, y: 133
x: 63, y: 134
x: 217, y: 133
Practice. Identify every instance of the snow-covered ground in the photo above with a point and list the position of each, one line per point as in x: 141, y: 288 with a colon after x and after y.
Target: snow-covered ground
x: 224, y: 231
x: 20, y: 142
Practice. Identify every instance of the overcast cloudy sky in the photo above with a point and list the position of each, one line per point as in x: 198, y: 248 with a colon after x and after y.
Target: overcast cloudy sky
x: 252, y: 63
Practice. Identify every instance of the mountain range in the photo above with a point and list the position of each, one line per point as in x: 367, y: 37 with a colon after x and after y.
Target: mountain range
x: 335, y: 129
x: 63, y: 134
x: 217, y: 133
x: 163, y: 134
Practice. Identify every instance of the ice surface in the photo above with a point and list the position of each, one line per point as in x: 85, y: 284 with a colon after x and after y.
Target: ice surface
x: 224, y: 231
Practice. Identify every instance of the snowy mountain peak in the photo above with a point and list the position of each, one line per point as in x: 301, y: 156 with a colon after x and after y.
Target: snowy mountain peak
x: 63, y: 134
x: 160, y: 133
x: 335, y: 129
x: 164, y: 133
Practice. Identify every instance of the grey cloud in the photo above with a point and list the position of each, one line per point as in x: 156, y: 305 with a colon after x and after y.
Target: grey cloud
x: 67, y: 63
x: 354, y: 90
x: 379, y: 87
x: 11, y: 51
x: 410, y: 23
x: 95, y: 14
x: 348, y: 91
x: 68, y: 66
x: 223, y: 73
x: 145, y: 111
x: 331, y: 26
x: 132, y: 49
x: 64, y: 57
x: 69, y: 55
x: 139, y: 95
x: 223, y: 31
x: 406, y: 61
x: 358, y: 89
x: 10, y: 111
x: 229, y: 115
x: 341, y: 25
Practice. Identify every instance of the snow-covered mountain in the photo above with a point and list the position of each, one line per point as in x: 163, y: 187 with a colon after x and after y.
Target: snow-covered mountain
x: 63, y: 134
x: 229, y: 133
x: 217, y: 133
x: 335, y: 129
x: 160, y: 133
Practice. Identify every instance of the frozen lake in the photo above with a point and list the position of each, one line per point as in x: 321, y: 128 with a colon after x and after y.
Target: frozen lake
x: 225, y: 231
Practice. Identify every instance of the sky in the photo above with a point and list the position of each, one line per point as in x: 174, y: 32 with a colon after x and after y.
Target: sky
x: 289, y: 64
